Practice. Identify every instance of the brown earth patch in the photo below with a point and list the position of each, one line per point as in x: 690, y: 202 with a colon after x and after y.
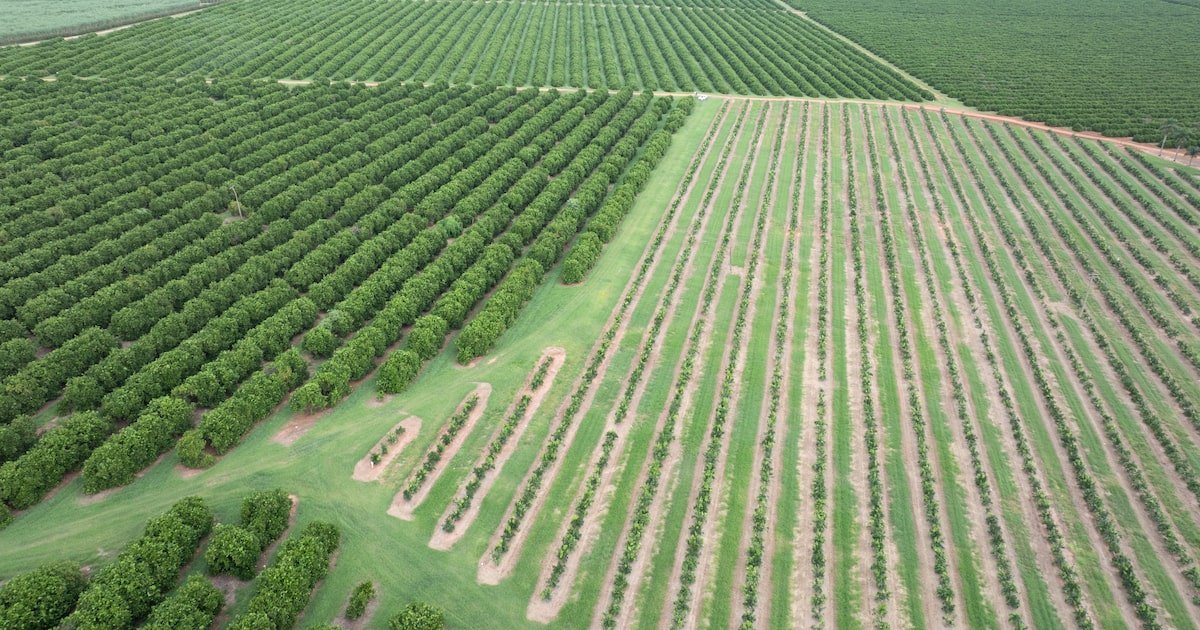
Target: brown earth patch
x: 297, y: 427
x: 366, y: 470
x: 443, y: 540
x: 379, y: 401
x: 403, y: 508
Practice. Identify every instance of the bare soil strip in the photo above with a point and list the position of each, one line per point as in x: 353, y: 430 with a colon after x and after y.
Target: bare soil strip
x: 667, y: 429
x: 755, y: 602
x: 297, y: 427
x: 366, y: 470
x: 442, y: 540
x: 993, y: 379
x: 1044, y: 403
x: 646, y: 361
x: 403, y: 508
x: 492, y: 571
x: 803, y: 579
x: 691, y: 593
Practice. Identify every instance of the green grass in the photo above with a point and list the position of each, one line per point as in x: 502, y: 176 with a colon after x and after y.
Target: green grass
x: 904, y: 499
x: 395, y: 553
x: 847, y: 567
x: 793, y: 494
x: 954, y: 497
x: 318, y: 467
x: 737, y: 495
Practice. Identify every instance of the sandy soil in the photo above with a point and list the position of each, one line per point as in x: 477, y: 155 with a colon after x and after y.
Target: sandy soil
x: 491, y: 572
x: 230, y: 588
x: 403, y: 508
x: 443, y: 540
x: 805, y: 450
x: 297, y: 427
x: 187, y: 473
x: 977, y: 349
x: 672, y: 460
x: 379, y: 401
x: 714, y: 521
x: 364, y: 470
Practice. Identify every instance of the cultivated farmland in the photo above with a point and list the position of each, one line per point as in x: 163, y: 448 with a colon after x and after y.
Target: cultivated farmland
x: 428, y: 342
x: 734, y: 50
x: 1119, y: 68
x: 30, y: 18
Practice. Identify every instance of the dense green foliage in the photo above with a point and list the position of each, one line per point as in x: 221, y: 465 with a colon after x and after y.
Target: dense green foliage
x: 25, y: 480
x: 234, y: 549
x: 282, y: 589
x: 16, y: 437
x: 385, y: 208
x: 757, y: 51
x: 1120, y: 67
x: 124, y: 592
x: 135, y: 447
x: 359, y: 598
x: 193, y: 606
x: 418, y: 616
x: 41, y: 598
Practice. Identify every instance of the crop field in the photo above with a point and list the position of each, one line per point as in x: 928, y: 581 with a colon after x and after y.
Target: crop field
x: 50, y: 16
x: 731, y: 50
x: 1114, y: 66
x: 449, y: 313
x: 113, y: 312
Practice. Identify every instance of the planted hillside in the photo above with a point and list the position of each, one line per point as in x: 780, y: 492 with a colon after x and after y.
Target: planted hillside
x: 720, y: 49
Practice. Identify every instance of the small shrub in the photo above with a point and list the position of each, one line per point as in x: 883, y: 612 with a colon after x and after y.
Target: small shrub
x: 359, y: 598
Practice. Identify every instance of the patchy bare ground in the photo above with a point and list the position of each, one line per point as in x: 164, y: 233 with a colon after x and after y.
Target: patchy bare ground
x: 297, y: 427
x: 443, y: 540
x: 366, y: 470
x: 403, y: 508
